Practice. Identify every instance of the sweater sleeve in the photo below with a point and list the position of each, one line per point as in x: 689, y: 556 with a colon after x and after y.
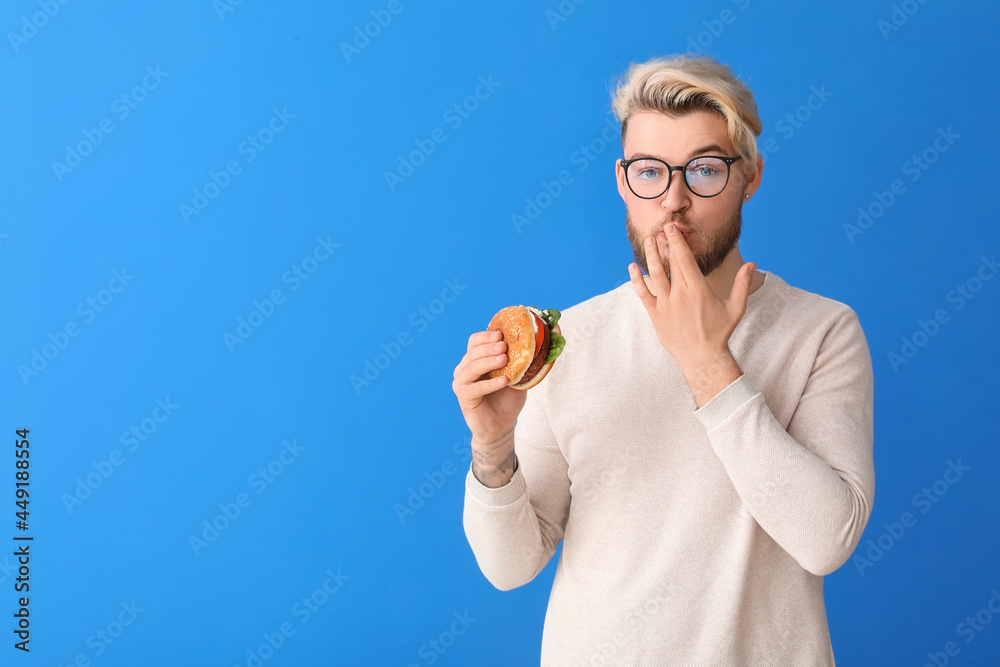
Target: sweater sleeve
x: 810, y: 487
x: 513, y: 530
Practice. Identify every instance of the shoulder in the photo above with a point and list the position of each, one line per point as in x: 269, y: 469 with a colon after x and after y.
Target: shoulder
x: 807, y: 307
x: 806, y: 316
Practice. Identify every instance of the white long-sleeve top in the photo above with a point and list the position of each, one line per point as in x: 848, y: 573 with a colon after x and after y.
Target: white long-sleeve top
x: 690, y: 536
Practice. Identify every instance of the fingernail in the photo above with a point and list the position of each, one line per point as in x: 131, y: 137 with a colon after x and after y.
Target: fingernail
x: 649, y: 240
x: 671, y: 228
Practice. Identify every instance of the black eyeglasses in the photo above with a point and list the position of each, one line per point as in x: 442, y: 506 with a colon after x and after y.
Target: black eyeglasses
x: 705, y: 175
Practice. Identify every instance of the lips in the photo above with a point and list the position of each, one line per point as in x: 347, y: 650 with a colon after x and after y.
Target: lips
x: 686, y: 231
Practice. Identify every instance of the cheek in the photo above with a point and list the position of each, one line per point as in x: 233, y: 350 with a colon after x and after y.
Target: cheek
x: 645, y: 212
x: 713, y: 212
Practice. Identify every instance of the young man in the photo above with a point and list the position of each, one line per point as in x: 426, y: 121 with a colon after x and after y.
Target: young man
x: 703, y: 445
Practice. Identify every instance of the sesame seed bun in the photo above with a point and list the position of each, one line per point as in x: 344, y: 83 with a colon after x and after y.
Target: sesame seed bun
x: 517, y: 324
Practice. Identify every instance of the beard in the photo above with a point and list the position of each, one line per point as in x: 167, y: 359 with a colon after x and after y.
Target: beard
x: 714, y: 248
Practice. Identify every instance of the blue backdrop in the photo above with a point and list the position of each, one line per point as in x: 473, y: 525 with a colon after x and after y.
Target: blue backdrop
x: 244, y: 244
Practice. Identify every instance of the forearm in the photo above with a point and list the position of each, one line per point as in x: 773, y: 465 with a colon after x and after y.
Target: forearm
x: 814, y: 510
x: 504, y: 533
x: 494, y: 463
x: 514, y: 533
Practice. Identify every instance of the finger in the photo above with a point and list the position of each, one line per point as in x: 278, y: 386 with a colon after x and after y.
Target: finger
x: 474, y: 369
x: 683, y: 265
x: 469, y: 391
x: 481, y: 337
x: 487, y: 349
x: 740, y: 292
x: 639, y: 285
x: 654, y: 264
x: 482, y: 350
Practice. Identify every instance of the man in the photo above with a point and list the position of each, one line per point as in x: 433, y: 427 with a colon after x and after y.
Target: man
x: 703, y: 446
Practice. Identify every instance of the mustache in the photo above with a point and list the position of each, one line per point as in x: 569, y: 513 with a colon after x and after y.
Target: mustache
x: 679, y: 219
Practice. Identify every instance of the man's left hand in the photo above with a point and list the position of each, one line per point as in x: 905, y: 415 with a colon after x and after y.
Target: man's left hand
x: 691, y: 322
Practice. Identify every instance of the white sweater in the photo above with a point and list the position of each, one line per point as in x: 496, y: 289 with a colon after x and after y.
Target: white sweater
x: 690, y: 536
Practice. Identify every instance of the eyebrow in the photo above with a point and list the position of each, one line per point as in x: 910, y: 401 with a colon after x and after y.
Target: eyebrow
x: 710, y: 148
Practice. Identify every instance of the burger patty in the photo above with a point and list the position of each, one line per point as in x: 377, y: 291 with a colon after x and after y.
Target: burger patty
x: 539, y: 359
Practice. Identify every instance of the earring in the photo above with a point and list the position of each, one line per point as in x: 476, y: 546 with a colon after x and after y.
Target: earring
x: 748, y: 196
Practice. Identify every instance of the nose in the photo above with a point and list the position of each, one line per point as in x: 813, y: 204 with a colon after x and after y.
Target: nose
x: 677, y: 197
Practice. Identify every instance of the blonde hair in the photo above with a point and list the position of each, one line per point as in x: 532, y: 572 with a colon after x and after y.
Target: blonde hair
x: 679, y: 84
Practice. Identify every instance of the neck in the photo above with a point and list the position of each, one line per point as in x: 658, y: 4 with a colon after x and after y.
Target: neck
x: 721, y: 280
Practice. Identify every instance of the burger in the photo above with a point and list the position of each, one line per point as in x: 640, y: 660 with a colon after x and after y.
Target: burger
x: 533, y: 343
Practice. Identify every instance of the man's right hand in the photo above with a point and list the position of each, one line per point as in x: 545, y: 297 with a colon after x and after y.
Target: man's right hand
x: 489, y: 406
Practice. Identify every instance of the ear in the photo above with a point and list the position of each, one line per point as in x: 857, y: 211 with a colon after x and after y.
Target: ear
x: 752, y: 184
x: 620, y: 177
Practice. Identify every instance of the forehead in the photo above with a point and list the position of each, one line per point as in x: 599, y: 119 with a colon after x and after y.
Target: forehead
x: 674, y: 139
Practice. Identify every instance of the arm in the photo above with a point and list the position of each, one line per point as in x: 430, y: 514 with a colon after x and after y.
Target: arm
x: 514, y: 529
x: 810, y: 487
x: 486, y: 470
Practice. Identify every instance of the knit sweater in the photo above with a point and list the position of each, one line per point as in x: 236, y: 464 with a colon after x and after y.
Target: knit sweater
x: 690, y: 536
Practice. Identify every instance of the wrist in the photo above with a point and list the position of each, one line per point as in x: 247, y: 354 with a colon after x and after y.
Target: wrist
x: 494, y: 475
x: 490, y: 454
x: 707, y: 378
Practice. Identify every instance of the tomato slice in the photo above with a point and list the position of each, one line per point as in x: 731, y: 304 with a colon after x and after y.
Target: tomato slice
x: 540, y: 336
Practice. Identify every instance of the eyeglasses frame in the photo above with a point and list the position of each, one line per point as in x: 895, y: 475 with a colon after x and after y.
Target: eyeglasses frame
x: 670, y: 173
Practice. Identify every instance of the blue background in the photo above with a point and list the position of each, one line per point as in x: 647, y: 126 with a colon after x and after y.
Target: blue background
x: 444, y: 226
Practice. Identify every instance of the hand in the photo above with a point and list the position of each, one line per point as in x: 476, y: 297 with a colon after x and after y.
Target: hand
x: 691, y: 322
x: 489, y: 406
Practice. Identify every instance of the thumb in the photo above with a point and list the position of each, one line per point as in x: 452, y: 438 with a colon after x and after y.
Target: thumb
x: 741, y: 286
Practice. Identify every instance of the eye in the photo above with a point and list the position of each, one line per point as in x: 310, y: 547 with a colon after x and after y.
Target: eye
x: 646, y: 169
x: 702, y: 169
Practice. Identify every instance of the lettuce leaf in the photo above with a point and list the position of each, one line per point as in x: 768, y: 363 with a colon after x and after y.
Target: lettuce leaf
x: 550, y: 316
x: 556, y: 345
